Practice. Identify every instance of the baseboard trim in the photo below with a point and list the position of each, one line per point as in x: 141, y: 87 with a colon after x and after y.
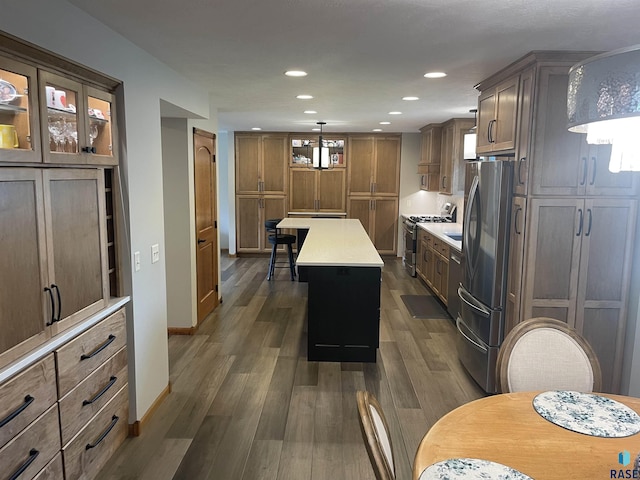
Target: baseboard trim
x: 182, y: 330
x: 136, y: 427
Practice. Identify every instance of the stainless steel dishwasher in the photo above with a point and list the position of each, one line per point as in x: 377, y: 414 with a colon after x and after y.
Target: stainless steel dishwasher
x: 455, y: 277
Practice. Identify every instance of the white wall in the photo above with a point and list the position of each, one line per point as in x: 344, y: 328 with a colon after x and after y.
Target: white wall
x: 146, y: 82
x: 224, y: 164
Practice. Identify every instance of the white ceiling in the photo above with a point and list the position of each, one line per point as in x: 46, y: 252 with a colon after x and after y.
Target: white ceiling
x: 362, y: 56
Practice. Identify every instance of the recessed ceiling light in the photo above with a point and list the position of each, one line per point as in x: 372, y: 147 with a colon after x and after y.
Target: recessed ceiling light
x: 395, y: 113
x: 385, y: 123
x: 410, y: 99
x: 304, y: 97
x: 256, y: 128
x: 295, y: 73
x: 435, y: 74
x: 377, y: 129
x: 310, y: 112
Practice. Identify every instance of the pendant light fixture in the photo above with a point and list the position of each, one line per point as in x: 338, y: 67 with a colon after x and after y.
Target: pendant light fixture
x: 603, y: 101
x: 320, y: 154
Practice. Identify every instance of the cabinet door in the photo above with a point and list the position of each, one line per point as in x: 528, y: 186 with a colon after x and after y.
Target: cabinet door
x: 274, y: 167
x: 429, y: 266
x: 302, y: 190
x: 387, y: 166
x: 271, y: 207
x: 360, y: 177
x: 503, y: 132
x: 559, y: 157
x: 360, y: 208
x: 430, y: 146
x: 76, y: 232
x: 62, y: 110
x: 516, y: 264
x: 443, y: 273
x: 525, y: 107
x: 24, y: 305
x: 19, y: 115
x: 248, y: 149
x: 331, y: 190
x: 553, y: 258
x: 420, y: 249
x: 385, y: 221
x: 600, y: 181
x: 603, y: 286
x: 486, y: 115
x: 248, y: 228
x: 446, y: 162
x: 101, y: 134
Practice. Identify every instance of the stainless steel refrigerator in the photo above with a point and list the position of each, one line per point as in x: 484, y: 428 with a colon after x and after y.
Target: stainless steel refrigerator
x: 483, y: 288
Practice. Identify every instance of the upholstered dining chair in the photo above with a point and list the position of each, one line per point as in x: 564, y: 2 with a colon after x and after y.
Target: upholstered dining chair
x: 377, y: 436
x: 546, y: 354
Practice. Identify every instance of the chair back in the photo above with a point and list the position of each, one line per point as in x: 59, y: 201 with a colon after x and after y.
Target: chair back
x: 377, y: 436
x: 547, y: 354
x: 270, y: 226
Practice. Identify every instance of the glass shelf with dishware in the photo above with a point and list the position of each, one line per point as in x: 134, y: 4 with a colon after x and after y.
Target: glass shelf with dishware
x: 302, y: 151
x: 15, y: 111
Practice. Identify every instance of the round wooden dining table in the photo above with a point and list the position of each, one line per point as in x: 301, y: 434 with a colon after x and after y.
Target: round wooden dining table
x: 506, y: 429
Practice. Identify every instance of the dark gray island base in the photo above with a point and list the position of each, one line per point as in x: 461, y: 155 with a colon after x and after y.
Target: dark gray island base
x: 344, y: 271
x: 343, y: 313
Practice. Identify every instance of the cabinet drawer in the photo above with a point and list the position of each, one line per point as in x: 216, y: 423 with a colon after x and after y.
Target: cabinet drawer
x: 94, y: 445
x: 26, y: 396
x: 53, y: 471
x: 32, y: 449
x: 78, y: 358
x: 85, y: 400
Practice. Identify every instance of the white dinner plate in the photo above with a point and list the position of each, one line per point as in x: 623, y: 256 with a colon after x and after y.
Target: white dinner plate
x: 471, y: 469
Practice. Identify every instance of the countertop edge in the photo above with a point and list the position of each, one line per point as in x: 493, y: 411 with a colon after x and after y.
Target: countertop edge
x: 439, y: 229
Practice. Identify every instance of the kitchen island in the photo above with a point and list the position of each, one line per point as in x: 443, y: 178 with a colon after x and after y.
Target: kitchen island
x: 344, y: 271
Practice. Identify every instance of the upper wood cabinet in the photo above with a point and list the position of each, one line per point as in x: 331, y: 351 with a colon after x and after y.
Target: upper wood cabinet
x: 374, y: 165
x: 54, y: 260
x: 452, y: 155
x: 497, y: 115
x: 313, y: 190
x: 429, y: 165
x: 261, y: 163
x: 302, y: 148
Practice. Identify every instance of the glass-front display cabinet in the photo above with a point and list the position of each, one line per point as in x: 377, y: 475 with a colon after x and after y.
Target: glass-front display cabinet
x: 19, y: 129
x: 302, y: 151
x: 77, y: 122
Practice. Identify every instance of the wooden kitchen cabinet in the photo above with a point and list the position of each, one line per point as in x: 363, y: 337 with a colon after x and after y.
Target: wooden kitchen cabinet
x: 579, y: 248
x: 452, y: 155
x: 374, y: 165
x: 429, y: 165
x: 515, y: 262
x: 434, y: 263
x: 251, y: 213
x: 313, y: 190
x: 421, y: 247
x: 54, y: 265
x: 379, y: 217
x: 497, y: 117
x: 261, y: 163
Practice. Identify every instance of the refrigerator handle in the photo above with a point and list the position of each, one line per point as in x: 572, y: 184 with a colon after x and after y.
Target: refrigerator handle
x: 479, y: 346
x: 467, y: 298
x: 467, y: 220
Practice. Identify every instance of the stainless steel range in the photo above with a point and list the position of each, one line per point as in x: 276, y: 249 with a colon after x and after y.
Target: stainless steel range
x: 410, y: 232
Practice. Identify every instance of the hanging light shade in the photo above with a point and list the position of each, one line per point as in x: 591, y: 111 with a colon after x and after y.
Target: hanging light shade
x: 603, y: 101
x: 320, y: 154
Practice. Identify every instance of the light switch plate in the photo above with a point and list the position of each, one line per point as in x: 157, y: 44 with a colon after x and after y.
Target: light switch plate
x: 155, y: 253
x: 136, y: 261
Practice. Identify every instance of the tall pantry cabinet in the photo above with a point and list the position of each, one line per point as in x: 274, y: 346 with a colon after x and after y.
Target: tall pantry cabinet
x: 59, y: 268
x: 573, y: 221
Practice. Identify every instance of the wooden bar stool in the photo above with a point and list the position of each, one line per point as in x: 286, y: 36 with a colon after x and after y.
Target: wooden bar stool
x: 276, y: 238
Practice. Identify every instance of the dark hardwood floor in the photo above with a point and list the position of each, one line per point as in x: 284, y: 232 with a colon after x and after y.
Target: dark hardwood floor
x: 246, y: 404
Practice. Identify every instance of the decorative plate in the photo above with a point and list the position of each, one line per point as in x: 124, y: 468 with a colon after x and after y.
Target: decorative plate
x: 587, y: 413
x: 471, y: 469
x: 8, y: 92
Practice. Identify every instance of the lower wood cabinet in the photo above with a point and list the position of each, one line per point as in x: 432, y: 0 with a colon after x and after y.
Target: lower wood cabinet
x: 251, y: 213
x: 77, y: 426
x: 379, y: 217
x: 432, y: 263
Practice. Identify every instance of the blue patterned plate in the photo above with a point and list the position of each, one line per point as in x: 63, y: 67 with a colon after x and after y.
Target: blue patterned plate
x: 587, y: 413
x: 471, y: 469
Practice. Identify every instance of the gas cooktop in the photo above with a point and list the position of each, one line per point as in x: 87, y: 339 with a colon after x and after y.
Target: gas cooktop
x: 428, y: 218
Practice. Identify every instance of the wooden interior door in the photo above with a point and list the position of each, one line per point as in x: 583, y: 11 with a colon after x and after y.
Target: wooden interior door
x: 206, y: 222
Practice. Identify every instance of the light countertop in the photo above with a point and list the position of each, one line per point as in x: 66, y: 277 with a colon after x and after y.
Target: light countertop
x: 334, y: 242
x: 441, y: 229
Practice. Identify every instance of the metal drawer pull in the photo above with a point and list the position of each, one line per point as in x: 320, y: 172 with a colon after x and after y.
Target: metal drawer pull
x: 114, y: 420
x: 99, y: 349
x: 33, y: 454
x: 112, y: 380
x: 28, y: 400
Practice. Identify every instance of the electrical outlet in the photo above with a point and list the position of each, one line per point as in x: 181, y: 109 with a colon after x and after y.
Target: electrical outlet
x: 155, y: 253
x: 136, y: 261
